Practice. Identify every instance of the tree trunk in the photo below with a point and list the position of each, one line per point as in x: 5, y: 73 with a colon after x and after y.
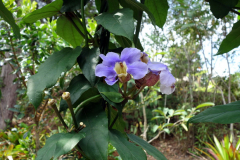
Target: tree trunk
x: 9, y: 95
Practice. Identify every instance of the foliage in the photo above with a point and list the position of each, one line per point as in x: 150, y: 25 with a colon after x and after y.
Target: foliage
x: 97, y: 119
x: 18, y: 143
x: 222, y: 151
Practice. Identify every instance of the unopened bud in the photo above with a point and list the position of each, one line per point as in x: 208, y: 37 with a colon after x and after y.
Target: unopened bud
x: 51, y: 102
x: 66, y: 95
x: 81, y: 124
x: 84, y: 125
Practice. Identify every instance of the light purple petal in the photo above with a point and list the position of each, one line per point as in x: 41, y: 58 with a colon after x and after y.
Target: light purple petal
x: 157, y: 66
x: 104, y: 71
x: 110, y: 59
x: 137, y: 69
x: 130, y: 55
x: 166, y: 78
x: 111, y: 80
x: 167, y: 90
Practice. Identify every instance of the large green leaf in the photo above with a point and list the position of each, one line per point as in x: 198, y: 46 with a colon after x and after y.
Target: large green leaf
x: 159, y: 9
x: 148, y: 147
x: 113, y: 5
x: 231, y: 41
x: 47, y: 11
x: 113, y: 96
x: 59, y: 144
x: 119, y: 124
x: 95, y: 145
x: 223, y: 114
x: 77, y: 87
x: 87, y: 61
x: 119, y: 23
x: 136, y: 7
x: 68, y: 32
x: 126, y: 149
x: 49, y: 72
x: 220, y: 8
x: 72, y: 5
x: 103, y: 87
x: 8, y: 17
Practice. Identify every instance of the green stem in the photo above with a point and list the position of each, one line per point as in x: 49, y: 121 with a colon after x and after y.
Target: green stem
x: 74, y: 24
x: 84, y: 24
x: 87, y: 101
x: 125, y: 88
x: 138, y: 27
x: 59, y: 116
x: 113, y: 122
x: 72, y: 112
x: 109, y: 113
x: 142, y: 87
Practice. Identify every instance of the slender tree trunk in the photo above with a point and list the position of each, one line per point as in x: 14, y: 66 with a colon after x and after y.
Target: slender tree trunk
x: 145, y: 127
x: 9, y: 95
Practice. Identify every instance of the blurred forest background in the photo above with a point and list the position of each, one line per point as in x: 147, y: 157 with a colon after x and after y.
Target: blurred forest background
x: 187, y: 44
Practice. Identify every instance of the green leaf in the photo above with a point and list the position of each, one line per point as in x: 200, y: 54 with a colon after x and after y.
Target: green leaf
x: 8, y: 17
x: 47, y: 11
x: 231, y: 41
x: 95, y: 145
x: 68, y: 32
x: 87, y: 61
x: 220, y: 8
x: 49, y: 72
x: 72, y: 5
x: 119, y: 23
x: 223, y: 114
x: 103, y: 87
x: 113, y: 5
x: 159, y: 9
x: 205, y: 105
x: 77, y: 87
x: 119, y: 124
x: 135, y: 5
x: 136, y: 11
x: 126, y: 149
x: 146, y: 146
x: 59, y: 144
x: 113, y: 96
x: 124, y: 42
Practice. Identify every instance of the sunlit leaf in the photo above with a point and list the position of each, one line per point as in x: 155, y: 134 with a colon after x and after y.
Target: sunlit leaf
x: 47, y: 11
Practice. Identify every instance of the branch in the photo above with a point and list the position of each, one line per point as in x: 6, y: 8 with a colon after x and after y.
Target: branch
x: 234, y: 11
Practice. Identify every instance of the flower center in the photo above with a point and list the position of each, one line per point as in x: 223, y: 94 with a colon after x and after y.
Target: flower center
x: 121, y: 69
x: 144, y: 58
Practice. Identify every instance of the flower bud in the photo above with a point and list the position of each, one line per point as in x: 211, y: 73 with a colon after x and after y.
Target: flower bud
x: 81, y: 124
x: 66, y: 95
x: 51, y: 102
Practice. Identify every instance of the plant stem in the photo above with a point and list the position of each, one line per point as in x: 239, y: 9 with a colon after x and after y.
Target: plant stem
x: 86, y: 101
x: 109, y: 113
x: 76, y: 27
x: 113, y: 122
x: 84, y: 24
x: 234, y: 11
x: 138, y: 27
x: 15, y: 56
x: 142, y: 87
x: 72, y: 112
x: 59, y: 116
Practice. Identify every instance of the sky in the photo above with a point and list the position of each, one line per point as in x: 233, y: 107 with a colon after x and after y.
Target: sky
x: 219, y: 62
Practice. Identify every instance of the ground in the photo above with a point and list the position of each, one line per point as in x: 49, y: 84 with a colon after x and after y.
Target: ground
x: 172, y: 151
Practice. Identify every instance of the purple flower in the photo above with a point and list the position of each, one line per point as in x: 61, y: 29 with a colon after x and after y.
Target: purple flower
x: 167, y: 81
x: 157, y: 69
x: 116, y: 68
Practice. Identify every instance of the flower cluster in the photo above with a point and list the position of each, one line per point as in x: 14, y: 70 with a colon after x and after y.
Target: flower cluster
x: 135, y: 63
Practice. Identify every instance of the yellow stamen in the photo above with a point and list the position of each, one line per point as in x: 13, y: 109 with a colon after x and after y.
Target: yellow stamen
x: 121, y: 69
